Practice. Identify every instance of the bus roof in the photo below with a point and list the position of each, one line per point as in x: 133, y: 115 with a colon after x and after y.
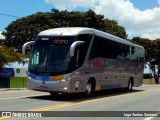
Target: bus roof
x: 72, y: 31
x: 68, y: 31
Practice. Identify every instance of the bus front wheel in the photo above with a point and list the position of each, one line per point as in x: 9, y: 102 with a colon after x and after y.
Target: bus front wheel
x: 89, y: 88
x: 53, y: 94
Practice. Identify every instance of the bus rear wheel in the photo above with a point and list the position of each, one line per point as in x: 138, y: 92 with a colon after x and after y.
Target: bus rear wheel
x: 130, y: 85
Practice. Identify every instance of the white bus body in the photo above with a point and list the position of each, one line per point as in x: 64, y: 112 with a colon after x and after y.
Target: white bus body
x: 77, y: 59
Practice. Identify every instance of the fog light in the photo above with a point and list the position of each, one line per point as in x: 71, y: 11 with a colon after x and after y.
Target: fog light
x: 65, y: 88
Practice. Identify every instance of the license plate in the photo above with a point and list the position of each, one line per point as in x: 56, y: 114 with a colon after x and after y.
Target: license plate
x: 43, y: 88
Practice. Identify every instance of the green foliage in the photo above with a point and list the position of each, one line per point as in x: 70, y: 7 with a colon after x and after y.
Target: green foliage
x: 2, y: 41
x: 78, y: 19
x: 67, y: 19
x: 26, y: 29
x: 8, y: 55
x: 113, y: 28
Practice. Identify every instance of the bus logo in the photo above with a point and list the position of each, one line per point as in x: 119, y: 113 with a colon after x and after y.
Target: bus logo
x: 6, y: 114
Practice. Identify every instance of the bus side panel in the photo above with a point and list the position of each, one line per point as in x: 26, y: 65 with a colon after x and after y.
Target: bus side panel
x: 111, y: 73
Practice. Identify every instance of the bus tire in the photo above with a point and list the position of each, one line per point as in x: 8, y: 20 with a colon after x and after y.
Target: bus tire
x: 130, y: 85
x: 53, y: 94
x: 90, y: 88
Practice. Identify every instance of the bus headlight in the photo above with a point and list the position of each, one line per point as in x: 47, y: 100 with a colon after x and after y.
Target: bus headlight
x: 29, y: 78
x: 63, y: 80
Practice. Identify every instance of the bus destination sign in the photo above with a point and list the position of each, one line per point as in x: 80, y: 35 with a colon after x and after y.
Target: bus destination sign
x: 58, y: 41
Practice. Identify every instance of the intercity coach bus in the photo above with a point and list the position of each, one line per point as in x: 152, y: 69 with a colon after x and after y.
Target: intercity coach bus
x: 78, y: 59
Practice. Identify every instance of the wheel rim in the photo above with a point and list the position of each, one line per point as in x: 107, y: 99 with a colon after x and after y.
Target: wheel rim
x: 89, y: 88
x: 130, y: 85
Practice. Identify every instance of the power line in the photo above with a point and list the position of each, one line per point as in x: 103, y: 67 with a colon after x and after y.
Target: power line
x: 9, y: 15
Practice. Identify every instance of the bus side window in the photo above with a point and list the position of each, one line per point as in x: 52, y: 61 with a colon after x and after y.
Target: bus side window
x: 141, y: 55
x: 133, y: 50
x: 102, y: 48
x: 134, y: 53
x: 95, y: 50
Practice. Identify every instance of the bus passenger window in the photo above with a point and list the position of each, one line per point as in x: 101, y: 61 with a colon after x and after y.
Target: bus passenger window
x: 95, y: 50
x: 132, y: 50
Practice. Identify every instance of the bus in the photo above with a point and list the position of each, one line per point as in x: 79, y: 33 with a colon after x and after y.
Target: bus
x: 79, y: 59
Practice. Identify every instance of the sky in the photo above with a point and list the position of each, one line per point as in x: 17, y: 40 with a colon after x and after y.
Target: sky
x: 140, y: 18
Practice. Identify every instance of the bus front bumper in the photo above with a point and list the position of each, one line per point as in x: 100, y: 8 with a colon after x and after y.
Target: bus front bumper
x: 58, y: 86
x: 48, y: 86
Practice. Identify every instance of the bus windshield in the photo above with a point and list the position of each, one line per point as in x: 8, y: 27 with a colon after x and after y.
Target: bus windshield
x: 51, y: 55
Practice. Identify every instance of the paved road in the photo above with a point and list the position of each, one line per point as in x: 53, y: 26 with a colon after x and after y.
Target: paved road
x: 107, y: 103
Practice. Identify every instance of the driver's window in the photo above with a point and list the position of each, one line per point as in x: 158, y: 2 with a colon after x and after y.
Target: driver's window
x: 80, y: 55
x: 82, y: 49
x: 35, y: 58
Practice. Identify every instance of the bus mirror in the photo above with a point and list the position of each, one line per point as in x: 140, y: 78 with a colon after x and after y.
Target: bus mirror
x: 25, y: 45
x: 73, y: 47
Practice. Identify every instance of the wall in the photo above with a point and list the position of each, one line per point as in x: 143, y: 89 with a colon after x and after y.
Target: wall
x: 13, y: 78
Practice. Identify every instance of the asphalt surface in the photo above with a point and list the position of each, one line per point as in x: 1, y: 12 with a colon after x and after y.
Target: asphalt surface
x: 110, y: 104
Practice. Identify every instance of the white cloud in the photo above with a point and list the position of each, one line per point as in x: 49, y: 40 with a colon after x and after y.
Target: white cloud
x: 151, y: 35
x: 137, y: 22
x: 1, y: 36
x: 72, y: 4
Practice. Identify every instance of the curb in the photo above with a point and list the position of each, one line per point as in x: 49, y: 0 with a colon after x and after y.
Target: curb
x: 8, y: 89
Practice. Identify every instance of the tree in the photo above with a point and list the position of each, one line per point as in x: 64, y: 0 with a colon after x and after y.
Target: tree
x: 2, y: 41
x: 8, y: 55
x: 113, y: 28
x: 94, y: 21
x: 152, y: 52
x: 67, y: 19
x: 26, y: 29
x: 78, y: 19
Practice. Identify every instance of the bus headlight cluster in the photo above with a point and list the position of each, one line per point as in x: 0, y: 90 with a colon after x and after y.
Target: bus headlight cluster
x: 63, y: 80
